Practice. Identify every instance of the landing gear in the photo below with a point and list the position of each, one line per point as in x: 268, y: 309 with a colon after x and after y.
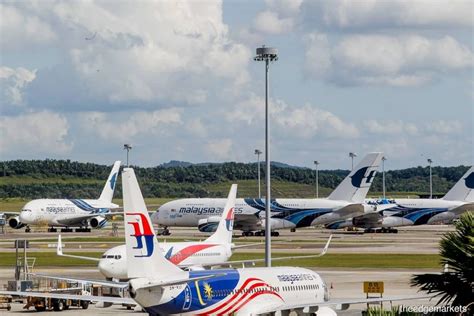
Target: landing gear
x: 83, y: 230
x: 166, y: 232
x: 52, y: 230
x: 66, y: 230
x: 261, y: 233
x: 293, y: 230
x: 382, y: 230
x: 27, y: 229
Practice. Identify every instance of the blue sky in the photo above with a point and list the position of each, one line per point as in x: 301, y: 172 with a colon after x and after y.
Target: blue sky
x: 176, y: 79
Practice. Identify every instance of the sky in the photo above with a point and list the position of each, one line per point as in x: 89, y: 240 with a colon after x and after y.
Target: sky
x: 177, y: 81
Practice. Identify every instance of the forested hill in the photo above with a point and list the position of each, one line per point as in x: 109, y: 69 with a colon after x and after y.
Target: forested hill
x: 65, y: 178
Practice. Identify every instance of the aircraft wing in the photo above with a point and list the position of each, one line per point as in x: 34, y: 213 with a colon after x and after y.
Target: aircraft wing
x: 120, y: 285
x: 247, y: 221
x: 79, y: 218
x: 254, y: 261
x: 105, y: 299
x: 350, y: 209
x: 10, y: 214
x: 469, y: 206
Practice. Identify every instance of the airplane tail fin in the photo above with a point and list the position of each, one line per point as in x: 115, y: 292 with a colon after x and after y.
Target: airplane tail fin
x: 355, y: 186
x: 109, y: 187
x: 223, y: 233
x: 463, y: 190
x: 144, y: 257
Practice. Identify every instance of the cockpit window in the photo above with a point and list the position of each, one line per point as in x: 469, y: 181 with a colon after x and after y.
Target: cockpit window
x: 118, y: 257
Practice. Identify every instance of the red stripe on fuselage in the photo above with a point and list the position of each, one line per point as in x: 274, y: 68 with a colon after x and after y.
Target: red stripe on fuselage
x: 184, y: 253
x: 244, y: 292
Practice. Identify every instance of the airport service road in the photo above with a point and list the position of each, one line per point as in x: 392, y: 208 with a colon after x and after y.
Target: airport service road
x: 345, y: 284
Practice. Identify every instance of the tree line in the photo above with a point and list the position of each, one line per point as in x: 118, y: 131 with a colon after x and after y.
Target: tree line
x: 191, y: 180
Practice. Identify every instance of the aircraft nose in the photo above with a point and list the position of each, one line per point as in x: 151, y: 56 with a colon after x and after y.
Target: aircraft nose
x: 106, y: 268
x: 25, y: 216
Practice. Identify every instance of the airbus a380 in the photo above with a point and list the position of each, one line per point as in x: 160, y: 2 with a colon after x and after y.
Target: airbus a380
x: 413, y: 212
x: 67, y: 213
x: 162, y: 288
x: 346, y: 201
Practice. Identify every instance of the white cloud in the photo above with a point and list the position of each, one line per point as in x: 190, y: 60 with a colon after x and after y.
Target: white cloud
x: 269, y: 22
x: 390, y: 127
x: 40, y: 132
x: 445, y: 127
x: 305, y: 121
x: 108, y: 127
x: 13, y: 82
x: 19, y: 28
x: 353, y: 15
x: 158, y: 51
x: 221, y: 148
x: 279, y: 17
x: 386, y: 60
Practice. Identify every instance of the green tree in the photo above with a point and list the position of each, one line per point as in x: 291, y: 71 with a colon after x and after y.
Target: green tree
x: 456, y: 249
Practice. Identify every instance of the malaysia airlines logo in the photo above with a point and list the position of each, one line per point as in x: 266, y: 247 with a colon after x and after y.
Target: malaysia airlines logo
x: 113, y: 180
x: 360, y: 175
x: 229, y: 220
x: 143, y: 232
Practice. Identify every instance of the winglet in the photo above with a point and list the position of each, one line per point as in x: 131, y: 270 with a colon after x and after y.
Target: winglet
x: 59, y: 249
x: 326, y: 247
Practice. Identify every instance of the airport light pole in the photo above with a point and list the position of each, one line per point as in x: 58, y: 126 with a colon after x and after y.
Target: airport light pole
x: 267, y: 54
x: 431, y: 178
x: 383, y: 175
x: 127, y: 147
x: 316, y: 163
x: 352, y: 155
x: 258, y: 153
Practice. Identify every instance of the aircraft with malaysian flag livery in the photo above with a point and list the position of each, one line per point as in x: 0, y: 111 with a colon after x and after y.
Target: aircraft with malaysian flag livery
x: 67, y: 213
x: 162, y: 288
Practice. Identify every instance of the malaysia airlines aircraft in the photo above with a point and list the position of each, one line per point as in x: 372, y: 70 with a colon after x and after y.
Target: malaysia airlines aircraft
x: 162, y: 288
x: 193, y: 255
x: 412, y: 212
x: 214, y: 251
x: 346, y: 201
x: 69, y: 212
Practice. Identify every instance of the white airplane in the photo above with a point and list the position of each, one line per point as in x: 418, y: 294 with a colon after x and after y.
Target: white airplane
x: 69, y: 212
x: 162, y: 288
x: 413, y: 212
x: 346, y: 201
x: 215, y: 251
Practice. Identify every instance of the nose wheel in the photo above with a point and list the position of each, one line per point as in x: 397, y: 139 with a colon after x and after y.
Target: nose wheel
x: 27, y: 229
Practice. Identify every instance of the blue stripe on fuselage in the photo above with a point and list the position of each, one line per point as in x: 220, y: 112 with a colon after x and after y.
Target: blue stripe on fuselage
x: 188, y: 299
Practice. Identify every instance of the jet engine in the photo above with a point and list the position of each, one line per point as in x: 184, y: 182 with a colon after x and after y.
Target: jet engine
x: 97, y: 222
x: 15, y: 223
x: 208, y: 225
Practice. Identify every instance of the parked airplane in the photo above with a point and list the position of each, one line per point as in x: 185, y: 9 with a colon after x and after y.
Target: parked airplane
x: 215, y: 251
x: 409, y: 212
x: 162, y: 288
x: 346, y: 201
x: 69, y: 212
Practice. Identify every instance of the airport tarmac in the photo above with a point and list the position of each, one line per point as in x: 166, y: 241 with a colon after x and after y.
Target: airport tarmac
x: 409, y: 240
x: 343, y: 282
